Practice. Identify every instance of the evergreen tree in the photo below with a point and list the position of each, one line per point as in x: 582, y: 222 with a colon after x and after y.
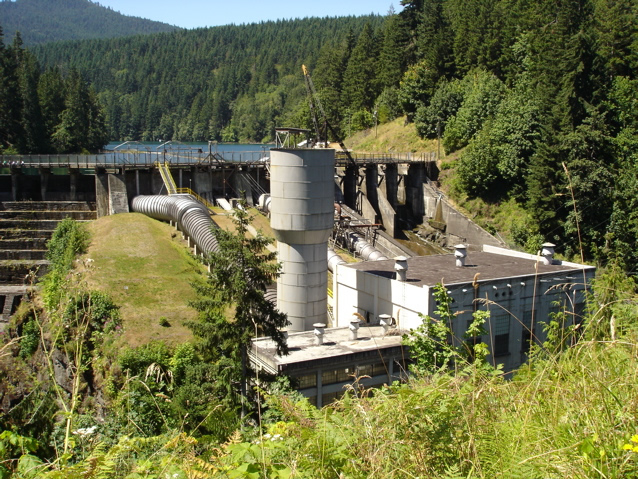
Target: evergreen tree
x: 328, y: 79
x: 10, y: 104
x: 616, y: 26
x: 232, y: 306
x: 81, y: 126
x: 433, y: 39
x: 34, y: 137
x: 360, y: 82
x: 392, y: 61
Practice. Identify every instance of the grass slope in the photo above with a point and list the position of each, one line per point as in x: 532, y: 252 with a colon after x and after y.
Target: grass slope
x: 148, y: 272
x: 394, y: 136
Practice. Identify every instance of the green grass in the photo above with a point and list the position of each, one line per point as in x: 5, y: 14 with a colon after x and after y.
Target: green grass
x: 146, y: 268
x: 393, y: 136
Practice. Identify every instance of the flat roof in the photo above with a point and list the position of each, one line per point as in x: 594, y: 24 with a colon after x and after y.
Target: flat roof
x: 336, y: 343
x: 430, y: 270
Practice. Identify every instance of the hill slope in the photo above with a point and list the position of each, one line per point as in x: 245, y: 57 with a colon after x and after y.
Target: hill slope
x: 42, y: 21
x: 228, y: 83
x: 146, y: 269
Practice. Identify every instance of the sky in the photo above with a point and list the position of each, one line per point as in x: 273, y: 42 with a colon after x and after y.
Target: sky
x: 207, y: 13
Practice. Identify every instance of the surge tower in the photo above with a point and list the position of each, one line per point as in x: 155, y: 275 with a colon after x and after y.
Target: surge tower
x: 302, y: 216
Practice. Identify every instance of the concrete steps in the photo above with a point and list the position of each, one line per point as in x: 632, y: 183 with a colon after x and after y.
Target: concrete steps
x: 47, y: 206
x: 38, y: 243
x: 17, y: 234
x: 15, y: 273
x: 22, y: 254
x: 47, y: 215
x: 25, y: 229
x: 10, y: 299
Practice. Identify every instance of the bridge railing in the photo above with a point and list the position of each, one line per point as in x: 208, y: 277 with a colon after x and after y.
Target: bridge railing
x: 389, y: 157
x: 117, y: 159
x: 141, y: 158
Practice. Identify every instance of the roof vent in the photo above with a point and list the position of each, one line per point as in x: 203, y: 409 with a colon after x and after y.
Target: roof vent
x: 548, y: 253
x: 401, y: 268
x: 354, y: 328
x: 319, y: 332
x: 386, y: 321
x: 460, y: 253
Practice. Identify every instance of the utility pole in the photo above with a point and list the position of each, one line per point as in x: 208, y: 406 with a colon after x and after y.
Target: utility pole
x: 438, y: 135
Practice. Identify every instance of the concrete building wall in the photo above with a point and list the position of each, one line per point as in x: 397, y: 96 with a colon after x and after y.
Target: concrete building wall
x: 388, y: 215
x: 372, y: 295
x: 102, y: 194
x: 517, y: 304
x: 118, y: 197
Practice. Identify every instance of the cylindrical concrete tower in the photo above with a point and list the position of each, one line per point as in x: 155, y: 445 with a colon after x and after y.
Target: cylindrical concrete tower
x: 302, y: 216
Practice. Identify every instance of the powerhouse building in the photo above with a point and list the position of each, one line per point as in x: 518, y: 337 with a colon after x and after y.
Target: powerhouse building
x: 376, y: 302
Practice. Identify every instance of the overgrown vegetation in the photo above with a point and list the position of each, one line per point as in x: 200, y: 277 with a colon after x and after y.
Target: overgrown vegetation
x: 567, y: 414
x: 570, y: 413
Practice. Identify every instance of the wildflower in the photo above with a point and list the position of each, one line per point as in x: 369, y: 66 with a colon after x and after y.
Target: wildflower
x: 632, y: 447
x: 86, y: 431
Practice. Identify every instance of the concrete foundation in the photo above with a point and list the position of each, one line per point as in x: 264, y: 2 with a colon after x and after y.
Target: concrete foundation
x: 456, y: 223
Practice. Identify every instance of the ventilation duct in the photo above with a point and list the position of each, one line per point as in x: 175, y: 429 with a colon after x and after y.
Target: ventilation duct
x: 460, y: 253
x: 547, y: 252
x: 401, y: 268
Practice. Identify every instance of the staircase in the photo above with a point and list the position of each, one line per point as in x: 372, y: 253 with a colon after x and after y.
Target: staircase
x: 169, y: 182
x: 25, y: 228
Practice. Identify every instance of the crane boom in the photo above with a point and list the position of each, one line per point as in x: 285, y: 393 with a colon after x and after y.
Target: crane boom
x: 315, y: 101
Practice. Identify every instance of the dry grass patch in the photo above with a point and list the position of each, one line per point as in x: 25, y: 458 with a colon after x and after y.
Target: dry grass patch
x: 148, y: 270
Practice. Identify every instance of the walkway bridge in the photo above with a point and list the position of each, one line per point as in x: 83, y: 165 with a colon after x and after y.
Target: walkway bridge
x: 150, y: 159
x: 385, y: 187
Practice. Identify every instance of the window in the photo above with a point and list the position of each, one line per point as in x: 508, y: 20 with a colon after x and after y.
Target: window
x: 328, y: 377
x: 336, y: 376
x: 307, y: 381
x: 471, y: 342
x: 330, y: 397
x: 344, y: 375
x: 379, y: 369
x: 501, y: 332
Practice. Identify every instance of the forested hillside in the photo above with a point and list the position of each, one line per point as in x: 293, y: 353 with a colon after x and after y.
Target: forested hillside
x: 45, y: 113
x: 42, y: 21
x: 539, y: 99
x: 189, y: 85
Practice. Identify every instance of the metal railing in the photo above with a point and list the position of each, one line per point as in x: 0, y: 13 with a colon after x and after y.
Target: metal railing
x: 167, y: 177
x: 119, y: 159
x: 188, y: 191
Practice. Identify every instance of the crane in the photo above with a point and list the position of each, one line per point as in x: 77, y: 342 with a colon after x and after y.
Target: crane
x: 315, y: 104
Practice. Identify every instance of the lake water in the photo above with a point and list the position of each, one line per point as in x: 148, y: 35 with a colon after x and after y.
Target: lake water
x: 154, y: 146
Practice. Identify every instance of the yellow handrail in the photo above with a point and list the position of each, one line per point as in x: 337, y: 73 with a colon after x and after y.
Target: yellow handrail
x: 169, y: 182
x: 188, y: 191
